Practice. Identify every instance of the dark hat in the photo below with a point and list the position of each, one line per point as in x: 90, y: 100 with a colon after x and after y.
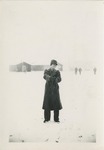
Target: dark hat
x: 53, y: 62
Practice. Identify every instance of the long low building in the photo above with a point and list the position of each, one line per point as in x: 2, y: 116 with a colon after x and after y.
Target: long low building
x: 21, y: 67
x: 25, y: 67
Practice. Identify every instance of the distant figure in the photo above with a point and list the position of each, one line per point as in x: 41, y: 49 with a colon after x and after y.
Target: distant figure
x: 80, y: 70
x: 76, y: 70
x: 94, y: 70
x: 52, y: 96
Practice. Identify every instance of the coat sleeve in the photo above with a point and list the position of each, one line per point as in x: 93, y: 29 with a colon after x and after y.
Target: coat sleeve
x: 58, y: 78
x: 46, y: 76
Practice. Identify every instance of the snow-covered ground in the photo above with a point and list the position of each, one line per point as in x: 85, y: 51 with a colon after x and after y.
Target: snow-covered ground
x: 79, y: 96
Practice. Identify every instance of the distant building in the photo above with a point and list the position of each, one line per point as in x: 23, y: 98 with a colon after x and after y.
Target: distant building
x: 60, y: 67
x: 39, y: 67
x: 13, y: 68
x: 21, y: 67
x: 25, y: 67
x: 43, y: 67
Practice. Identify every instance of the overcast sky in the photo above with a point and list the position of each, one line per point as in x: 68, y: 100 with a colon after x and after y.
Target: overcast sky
x: 37, y: 32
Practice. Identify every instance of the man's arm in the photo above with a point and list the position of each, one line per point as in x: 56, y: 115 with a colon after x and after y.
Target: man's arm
x: 46, y: 76
x: 58, y: 78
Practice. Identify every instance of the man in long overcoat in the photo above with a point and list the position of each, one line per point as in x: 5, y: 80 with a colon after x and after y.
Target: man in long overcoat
x: 52, y: 96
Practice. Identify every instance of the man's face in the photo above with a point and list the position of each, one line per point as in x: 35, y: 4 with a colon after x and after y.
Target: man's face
x: 53, y: 66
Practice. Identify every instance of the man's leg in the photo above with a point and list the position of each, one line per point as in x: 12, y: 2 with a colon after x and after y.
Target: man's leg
x: 56, y: 115
x: 46, y: 115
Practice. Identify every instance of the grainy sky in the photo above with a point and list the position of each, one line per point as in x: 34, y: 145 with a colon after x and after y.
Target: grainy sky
x: 37, y: 32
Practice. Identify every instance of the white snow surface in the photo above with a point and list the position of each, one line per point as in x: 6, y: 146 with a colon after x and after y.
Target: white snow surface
x: 79, y: 96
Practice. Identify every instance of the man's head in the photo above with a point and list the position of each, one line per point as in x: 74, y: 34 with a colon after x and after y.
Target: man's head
x: 53, y: 62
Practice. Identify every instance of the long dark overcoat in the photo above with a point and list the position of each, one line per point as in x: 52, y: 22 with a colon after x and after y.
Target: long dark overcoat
x: 51, y: 95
